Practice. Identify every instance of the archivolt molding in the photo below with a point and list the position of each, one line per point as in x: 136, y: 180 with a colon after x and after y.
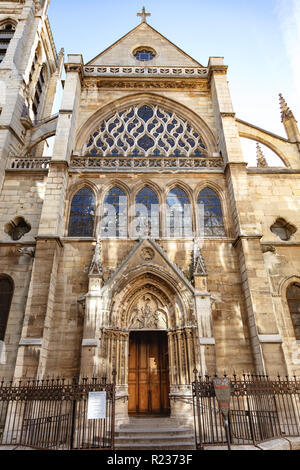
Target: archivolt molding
x: 176, y: 307
x: 172, y: 291
x: 148, y: 99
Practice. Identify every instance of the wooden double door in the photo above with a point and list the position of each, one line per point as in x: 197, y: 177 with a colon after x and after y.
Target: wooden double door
x: 148, y: 373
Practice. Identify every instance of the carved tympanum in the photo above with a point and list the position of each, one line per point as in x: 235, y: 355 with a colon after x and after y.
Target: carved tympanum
x: 146, y: 313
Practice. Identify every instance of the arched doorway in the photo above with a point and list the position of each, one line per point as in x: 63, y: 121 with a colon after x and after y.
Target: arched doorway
x: 149, y: 336
x: 148, y: 373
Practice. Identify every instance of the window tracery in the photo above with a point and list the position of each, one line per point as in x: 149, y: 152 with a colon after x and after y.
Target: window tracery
x: 146, y: 222
x: 179, y: 214
x: 82, y: 214
x: 210, y: 213
x: 145, y: 130
x: 114, y: 218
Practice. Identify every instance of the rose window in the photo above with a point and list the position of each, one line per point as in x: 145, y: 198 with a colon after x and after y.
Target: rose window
x: 145, y: 131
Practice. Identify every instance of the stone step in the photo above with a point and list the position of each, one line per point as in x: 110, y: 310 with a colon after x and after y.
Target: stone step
x: 159, y: 438
x: 151, y: 446
x: 135, y: 430
x: 155, y: 433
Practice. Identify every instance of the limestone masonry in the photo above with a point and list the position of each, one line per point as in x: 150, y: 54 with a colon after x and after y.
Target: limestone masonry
x: 145, y: 243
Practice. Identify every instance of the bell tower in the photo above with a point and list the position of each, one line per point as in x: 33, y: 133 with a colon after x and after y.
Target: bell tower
x: 29, y: 73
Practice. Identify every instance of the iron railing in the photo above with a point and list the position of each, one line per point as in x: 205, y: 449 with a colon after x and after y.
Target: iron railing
x: 53, y: 414
x: 260, y: 409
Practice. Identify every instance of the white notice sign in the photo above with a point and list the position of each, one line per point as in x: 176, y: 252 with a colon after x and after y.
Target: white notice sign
x: 97, y: 405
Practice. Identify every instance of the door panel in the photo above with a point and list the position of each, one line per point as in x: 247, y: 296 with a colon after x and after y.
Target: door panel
x: 148, y: 373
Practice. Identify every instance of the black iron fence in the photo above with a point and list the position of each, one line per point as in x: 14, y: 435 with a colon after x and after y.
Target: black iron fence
x: 57, y: 414
x: 260, y: 409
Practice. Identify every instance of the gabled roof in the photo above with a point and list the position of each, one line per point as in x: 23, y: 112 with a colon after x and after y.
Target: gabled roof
x: 120, y: 53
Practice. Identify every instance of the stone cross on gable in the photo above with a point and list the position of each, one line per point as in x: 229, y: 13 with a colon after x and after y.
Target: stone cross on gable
x: 143, y: 15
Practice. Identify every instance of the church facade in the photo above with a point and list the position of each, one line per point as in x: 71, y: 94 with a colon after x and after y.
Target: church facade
x: 145, y: 244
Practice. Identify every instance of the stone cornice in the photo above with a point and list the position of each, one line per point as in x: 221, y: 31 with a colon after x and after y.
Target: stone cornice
x: 246, y: 237
x: 228, y: 165
x: 217, y: 69
x: 146, y: 83
x: 50, y: 238
x: 77, y: 68
x: 227, y: 114
x: 54, y: 162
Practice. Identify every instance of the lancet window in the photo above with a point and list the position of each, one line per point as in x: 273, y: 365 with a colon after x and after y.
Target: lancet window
x: 6, y: 33
x: 146, y: 221
x: 6, y: 293
x: 114, y: 217
x: 82, y: 214
x: 145, y: 130
x: 210, y: 213
x: 293, y: 299
x: 179, y: 214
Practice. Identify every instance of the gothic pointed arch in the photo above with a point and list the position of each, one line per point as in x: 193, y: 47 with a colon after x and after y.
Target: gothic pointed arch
x: 6, y: 295
x: 179, y: 213
x: 182, y: 130
x: 293, y: 300
x: 7, y: 30
x: 210, y: 214
x: 147, y: 213
x: 82, y: 214
x: 114, y: 213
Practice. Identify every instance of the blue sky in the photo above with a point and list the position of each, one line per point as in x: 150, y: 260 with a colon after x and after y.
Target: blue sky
x: 259, y: 40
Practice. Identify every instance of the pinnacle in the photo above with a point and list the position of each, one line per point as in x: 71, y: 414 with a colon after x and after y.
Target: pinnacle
x: 261, y: 160
x: 286, y: 113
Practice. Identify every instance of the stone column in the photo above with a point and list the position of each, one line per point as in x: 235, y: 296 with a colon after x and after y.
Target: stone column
x: 265, y: 338
x: 40, y: 304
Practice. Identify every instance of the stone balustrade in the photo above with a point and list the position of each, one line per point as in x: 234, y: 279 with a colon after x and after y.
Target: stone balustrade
x: 121, y: 163
x: 96, y: 71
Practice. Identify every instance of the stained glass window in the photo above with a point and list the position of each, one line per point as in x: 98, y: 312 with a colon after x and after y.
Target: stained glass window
x: 114, y: 218
x: 144, y: 55
x: 82, y: 214
x: 145, y: 131
x: 146, y: 222
x: 210, y: 213
x: 293, y: 298
x: 179, y: 214
x: 6, y: 293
